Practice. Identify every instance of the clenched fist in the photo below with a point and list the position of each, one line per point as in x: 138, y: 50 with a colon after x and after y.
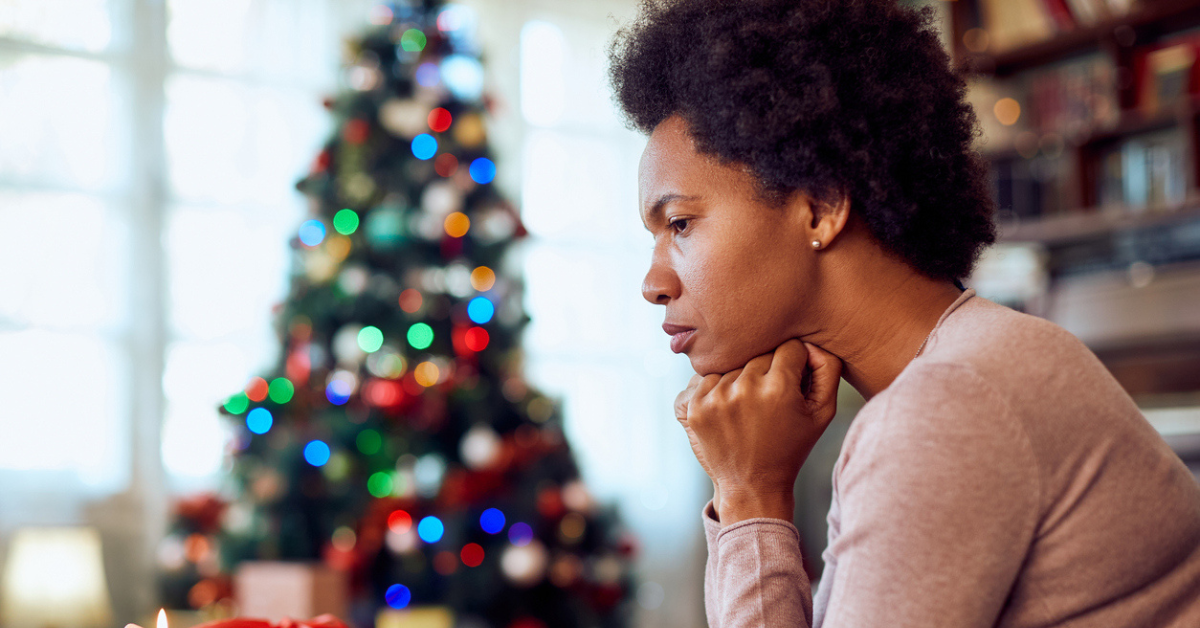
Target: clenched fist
x: 752, y: 428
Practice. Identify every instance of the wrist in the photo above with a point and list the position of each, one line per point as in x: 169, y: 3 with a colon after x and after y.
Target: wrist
x: 735, y: 507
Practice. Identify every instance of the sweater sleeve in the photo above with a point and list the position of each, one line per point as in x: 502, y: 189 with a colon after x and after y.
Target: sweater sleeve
x: 939, y: 503
x: 754, y: 576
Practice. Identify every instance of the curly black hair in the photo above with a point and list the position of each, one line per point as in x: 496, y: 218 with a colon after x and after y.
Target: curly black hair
x: 833, y: 97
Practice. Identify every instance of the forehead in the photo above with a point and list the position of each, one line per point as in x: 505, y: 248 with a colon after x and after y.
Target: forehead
x: 671, y: 165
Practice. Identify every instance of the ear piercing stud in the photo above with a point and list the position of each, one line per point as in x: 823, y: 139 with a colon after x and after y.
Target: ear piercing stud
x: 816, y: 244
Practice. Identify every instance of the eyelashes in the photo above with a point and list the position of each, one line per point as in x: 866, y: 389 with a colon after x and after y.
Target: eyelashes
x: 674, y: 225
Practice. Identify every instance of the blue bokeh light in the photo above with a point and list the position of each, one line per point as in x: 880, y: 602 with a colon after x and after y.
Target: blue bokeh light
x: 259, y: 420
x: 492, y: 521
x: 430, y: 529
x: 316, y: 453
x: 338, y: 392
x: 483, y: 170
x: 424, y: 146
x: 428, y: 74
x: 312, y: 232
x: 520, y: 534
x: 398, y: 596
x: 481, y: 310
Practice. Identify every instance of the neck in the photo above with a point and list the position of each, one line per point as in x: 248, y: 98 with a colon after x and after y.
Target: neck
x: 876, y: 329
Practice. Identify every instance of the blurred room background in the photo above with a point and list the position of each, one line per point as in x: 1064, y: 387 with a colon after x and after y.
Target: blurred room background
x: 149, y: 153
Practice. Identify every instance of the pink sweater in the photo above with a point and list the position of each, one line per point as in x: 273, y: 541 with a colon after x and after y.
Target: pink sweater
x: 1003, y: 479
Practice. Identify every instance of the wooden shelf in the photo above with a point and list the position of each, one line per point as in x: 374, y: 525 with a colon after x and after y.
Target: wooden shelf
x: 1054, y: 230
x: 1147, y: 20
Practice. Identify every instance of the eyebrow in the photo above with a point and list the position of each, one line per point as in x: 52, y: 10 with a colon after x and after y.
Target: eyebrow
x: 656, y: 210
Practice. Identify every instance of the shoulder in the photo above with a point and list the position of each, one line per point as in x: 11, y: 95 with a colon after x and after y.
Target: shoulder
x: 940, y: 419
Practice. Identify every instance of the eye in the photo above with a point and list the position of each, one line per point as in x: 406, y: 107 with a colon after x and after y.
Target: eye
x: 678, y: 225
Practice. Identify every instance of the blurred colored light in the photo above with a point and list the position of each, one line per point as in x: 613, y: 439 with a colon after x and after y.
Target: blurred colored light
x: 256, y: 390
x: 398, y: 596
x: 368, y: 442
x: 483, y: 278
x: 445, y: 165
x: 410, y: 300
x: 281, y: 390
x: 424, y: 146
x: 381, y: 14
x: 1007, y: 111
x: 413, y: 40
x: 259, y: 420
x: 481, y: 310
x: 382, y: 393
x: 316, y: 453
x: 426, y: 374
x: 520, y: 534
x: 483, y: 170
x: 420, y: 336
x: 379, y: 484
x: 312, y: 232
x: 338, y: 391
x: 457, y: 224
x: 399, y: 521
x: 428, y: 74
x: 492, y: 520
x: 439, y: 119
x: 370, y: 339
x: 237, y: 404
x: 345, y: 221
x: 463, y: 76
x: 344, y: 539
x: 430, y: 529
x: 471, y: 554
x: 476, y: 339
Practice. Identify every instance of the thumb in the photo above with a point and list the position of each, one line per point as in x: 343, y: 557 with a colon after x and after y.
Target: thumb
x: 826, y: 375
x: 789, y: 359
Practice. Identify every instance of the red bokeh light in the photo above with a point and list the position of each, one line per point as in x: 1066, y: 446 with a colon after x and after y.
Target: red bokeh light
x: 439, y: 120
x: 472, y: 554
x: 399, y: 521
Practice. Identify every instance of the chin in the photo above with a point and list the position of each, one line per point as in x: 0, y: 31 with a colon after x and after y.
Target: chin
x: 707, y: 364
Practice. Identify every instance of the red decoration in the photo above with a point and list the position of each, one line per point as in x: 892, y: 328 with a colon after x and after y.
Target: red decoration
x: 527, y: 622
x: 322, y: 621
x: 451, y: 247
x: 550, y: 503
x: 445, y: 164
x: 356, y: 131
x: 204, y: 511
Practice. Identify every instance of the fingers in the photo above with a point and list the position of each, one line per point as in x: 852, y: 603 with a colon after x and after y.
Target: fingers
x: 790, y: 359
x: 685, y: 396
x: 826, y: 375
x: 759, y: 366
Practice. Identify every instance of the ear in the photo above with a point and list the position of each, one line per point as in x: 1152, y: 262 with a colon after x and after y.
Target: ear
x: 824, y: 220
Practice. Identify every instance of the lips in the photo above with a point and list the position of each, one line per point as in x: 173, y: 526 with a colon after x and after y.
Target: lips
x: 681, y: 336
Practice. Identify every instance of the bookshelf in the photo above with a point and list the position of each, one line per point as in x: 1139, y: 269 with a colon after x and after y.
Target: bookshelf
x: 1095, y: 160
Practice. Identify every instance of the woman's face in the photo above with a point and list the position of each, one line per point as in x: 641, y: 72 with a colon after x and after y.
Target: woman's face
x: 735, y: 269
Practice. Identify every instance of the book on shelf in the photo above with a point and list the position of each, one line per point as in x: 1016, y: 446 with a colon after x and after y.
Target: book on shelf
x: 1148, y: 171
x: 1015, y: 23
x: 1166, y: 72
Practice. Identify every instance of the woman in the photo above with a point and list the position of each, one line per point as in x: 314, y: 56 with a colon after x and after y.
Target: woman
x: 815, y: 203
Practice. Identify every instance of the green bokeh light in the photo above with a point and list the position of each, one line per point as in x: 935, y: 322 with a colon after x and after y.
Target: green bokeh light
x: 413, y: 40
x: 370, y: 339
x: 380, y: 484
x: 281, y: 390
x: 345, y: 221
x: 420, y: 336
x: 369, y: 442
x: 237, y: 404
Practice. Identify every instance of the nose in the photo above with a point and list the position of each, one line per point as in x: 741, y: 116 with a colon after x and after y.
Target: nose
x: 661, y: 284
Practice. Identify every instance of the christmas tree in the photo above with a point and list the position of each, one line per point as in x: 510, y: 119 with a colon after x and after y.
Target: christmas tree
x: 396, y: 440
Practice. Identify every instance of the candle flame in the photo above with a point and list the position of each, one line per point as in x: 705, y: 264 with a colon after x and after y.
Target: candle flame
x: 162, y: 618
